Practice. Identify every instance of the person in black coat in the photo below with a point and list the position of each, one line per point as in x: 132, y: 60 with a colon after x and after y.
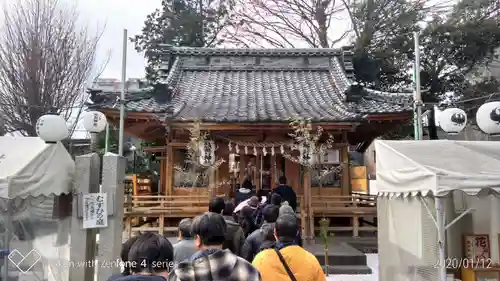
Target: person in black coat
x: 287, y: 193
x: 245, y: 192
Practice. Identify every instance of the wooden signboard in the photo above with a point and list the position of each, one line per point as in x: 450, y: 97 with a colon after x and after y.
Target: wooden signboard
x: 359, y: 181
x: 477, y: 249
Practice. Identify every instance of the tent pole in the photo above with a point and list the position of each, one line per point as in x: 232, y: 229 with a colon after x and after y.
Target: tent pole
x: 429, y: 211
x: 441, y: 236
x: 7, y: 229
x: 458, y: 218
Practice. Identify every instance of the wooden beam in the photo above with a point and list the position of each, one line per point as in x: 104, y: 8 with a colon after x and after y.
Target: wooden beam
x: 271, y: 126
x: 390, y: 116
x: 177, y: 144
x: 129, y: 115
x: 162, y: 148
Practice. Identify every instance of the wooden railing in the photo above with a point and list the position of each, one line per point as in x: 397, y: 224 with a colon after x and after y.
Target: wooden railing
x: 353, y: 206
x: 161, y: 207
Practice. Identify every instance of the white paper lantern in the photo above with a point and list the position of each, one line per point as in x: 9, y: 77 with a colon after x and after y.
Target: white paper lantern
x: 452, y: 120
x: 94, y: 121
x: 52, y: 128
x: 207, y: 152
x: 488, y: 118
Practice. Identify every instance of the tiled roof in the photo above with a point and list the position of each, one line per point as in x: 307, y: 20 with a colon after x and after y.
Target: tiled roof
x: 252, y: 85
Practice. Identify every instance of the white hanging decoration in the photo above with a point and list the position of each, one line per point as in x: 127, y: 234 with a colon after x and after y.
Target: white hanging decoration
x: 254, y: 151
x: 230, y: 146
x: 452, y: 120
x: 264, y: 151
x: 207, y: 152
x: 272, y: 150
x: 246, y: 150
x: 282, y: 149
x: 488, y: 118
x: 306, y: 151
x: 237, y: 149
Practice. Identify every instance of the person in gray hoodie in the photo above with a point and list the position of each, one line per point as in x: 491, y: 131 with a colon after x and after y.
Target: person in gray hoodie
x: 185, y: 247
x: 151, y: 258
x: 263, y: 235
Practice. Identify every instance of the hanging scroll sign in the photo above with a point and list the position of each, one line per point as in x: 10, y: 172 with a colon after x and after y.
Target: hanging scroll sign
x: 95, y: 210
x: 478, y: 249
x: 207, y: 152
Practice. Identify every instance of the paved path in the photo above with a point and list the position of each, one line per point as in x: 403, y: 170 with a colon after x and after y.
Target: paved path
x: 372, y: 261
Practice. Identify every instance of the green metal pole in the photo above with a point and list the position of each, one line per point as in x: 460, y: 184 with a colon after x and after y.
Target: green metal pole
x: 106, y: 145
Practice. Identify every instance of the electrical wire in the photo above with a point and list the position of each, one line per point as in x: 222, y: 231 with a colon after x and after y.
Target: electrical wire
x: 48, y: 107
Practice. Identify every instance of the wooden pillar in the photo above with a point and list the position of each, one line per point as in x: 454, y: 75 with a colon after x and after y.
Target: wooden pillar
x: 258, y: 174
x: 212, y: 184
x: 344, y: 159
x: 308, y: 201
x: 163, y: 174
x: 274, y: 168
x: 243, y: 166
x: 169, y: 177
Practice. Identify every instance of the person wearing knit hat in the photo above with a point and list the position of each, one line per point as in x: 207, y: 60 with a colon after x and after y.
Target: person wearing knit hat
x: 285, y: 209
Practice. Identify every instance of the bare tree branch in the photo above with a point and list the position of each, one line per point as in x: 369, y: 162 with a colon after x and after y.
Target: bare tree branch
x: 282, y: 23
x: 45, y: 62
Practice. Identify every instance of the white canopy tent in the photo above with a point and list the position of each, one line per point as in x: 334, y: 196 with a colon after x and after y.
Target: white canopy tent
x: 30, y: 167
x: 33, y: 176
x: 416, y: 180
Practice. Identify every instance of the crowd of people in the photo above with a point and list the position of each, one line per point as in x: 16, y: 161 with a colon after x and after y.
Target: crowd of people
x: 258, y: 239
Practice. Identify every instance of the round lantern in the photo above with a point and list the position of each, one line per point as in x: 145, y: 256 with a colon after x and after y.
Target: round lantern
x: 51, y: 128
x: 453, y: 120
x: 206, y: 149
x: 94, y: 121
x: 488, y: 118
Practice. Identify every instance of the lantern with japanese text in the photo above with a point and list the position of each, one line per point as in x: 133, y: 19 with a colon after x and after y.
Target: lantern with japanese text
x: 488, y: 118
x: 51, y: 128
x: 452, y: 120
x: 94, y: 121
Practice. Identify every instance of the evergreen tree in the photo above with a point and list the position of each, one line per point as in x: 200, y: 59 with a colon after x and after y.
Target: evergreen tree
x: 192, y: 23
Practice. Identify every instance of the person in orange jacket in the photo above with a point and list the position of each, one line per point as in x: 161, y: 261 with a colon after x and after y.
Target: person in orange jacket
x: 288, y: 261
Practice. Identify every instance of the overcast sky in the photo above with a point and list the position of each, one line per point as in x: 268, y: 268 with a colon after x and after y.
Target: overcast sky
x: 114, y: 16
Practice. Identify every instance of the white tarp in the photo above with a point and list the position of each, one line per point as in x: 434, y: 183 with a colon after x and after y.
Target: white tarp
x: 437, y: 166
x: 30, y: 167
